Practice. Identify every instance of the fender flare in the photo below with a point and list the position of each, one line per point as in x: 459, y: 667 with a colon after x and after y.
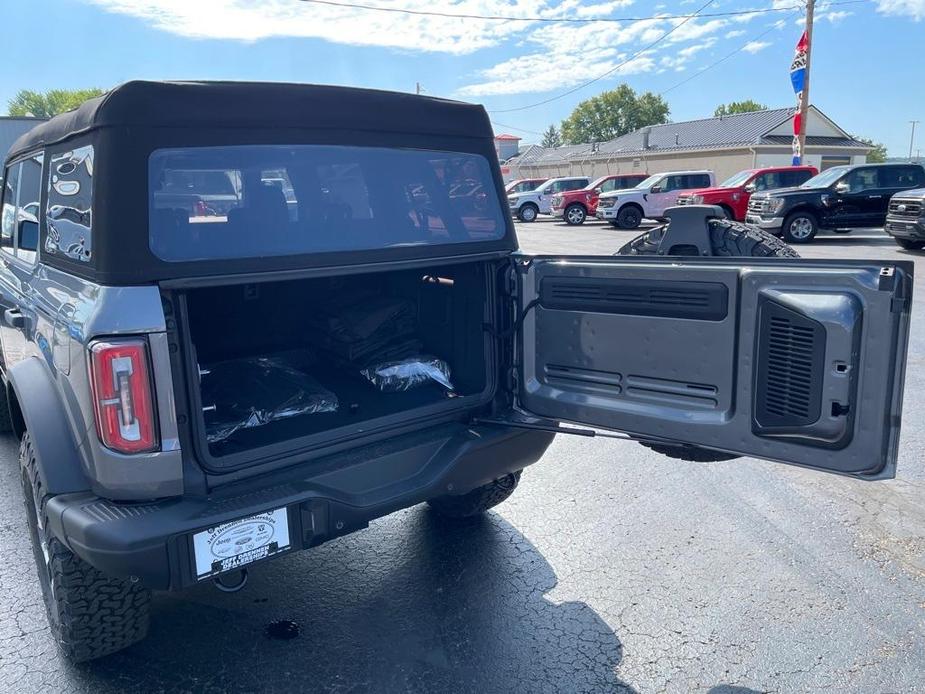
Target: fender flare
x: 37, y: 408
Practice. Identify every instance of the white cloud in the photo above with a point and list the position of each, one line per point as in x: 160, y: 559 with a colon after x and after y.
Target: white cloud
x: 835, y: 17
x: 734, y: 33
x: 247, y: 20
x: 908, y: 8
x: 755, y: 46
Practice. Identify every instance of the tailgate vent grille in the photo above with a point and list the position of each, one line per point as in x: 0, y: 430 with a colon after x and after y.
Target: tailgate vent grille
x: 791, y: 350
x: 694, y: 300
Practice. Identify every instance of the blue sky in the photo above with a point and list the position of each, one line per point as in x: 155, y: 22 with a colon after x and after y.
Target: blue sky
x: 861, y: 49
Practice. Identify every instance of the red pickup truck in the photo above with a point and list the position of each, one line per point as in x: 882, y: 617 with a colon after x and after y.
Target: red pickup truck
x: 574, y: 206
x: 733, y: 193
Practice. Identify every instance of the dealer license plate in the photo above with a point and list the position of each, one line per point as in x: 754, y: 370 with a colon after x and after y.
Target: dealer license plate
x: 231, y: 545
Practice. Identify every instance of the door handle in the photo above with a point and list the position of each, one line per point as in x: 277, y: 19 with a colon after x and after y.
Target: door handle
x: 14, y: 318
x: 874, y: 197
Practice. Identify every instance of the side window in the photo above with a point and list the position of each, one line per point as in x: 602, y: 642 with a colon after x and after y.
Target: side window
x: 27, y: 213
x: 770, y: 180
x: 796, y: 178
x: 901, y: 177
x: 609, y: 185
x: 861, y: 179
x: 574, y: 185
x: 68, y: 214
x: 700, y: 181
x: 674, y: 183
x: 10, y: 191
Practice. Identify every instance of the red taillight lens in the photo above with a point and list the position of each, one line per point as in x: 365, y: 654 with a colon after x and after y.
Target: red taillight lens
x: 122, y: 395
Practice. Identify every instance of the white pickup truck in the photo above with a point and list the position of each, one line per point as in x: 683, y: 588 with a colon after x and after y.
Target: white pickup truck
x: 626, y: 209
x: 526, y: 206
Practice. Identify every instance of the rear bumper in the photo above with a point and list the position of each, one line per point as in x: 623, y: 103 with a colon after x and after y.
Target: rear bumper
x: 770, y: 223
x: 324, y: 498
x: 905, y: 228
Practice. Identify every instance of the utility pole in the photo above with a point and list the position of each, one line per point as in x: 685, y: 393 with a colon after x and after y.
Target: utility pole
x: 912, y: 137
x: 804, y: 102
x: 418, y: 88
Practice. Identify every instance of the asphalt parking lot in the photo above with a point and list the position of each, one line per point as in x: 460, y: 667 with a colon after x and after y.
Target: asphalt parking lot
x: 611, y: 569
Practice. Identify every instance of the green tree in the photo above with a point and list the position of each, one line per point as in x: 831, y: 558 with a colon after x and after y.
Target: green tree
x: 551, y: 138
x: 613, y: 113
x: 733, y: 107
x: 50, y: 103
x: 877, y: 153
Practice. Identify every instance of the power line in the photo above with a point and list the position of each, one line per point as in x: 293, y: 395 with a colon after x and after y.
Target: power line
x: 741, y: 48
x: 613, y: 69
x: 569, y: 20
x: 521, y: 130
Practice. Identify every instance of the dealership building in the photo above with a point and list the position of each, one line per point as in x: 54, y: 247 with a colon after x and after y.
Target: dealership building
x: 725, y: 144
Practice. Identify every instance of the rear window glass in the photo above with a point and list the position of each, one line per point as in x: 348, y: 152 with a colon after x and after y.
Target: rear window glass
x: 270, y: 200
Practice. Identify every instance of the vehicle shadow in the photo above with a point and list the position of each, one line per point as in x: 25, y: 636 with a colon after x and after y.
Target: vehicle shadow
x: 415, y: 603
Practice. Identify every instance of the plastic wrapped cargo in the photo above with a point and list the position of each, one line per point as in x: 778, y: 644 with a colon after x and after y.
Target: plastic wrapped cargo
x: 405, y: 374
x: 252, y: 392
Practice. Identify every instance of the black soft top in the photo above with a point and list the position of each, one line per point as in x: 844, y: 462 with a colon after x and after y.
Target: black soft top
x: 260, y: 104
x: 117, y: 133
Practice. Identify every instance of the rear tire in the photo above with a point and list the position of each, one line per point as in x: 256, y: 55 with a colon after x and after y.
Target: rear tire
x: 727, y: 239
x: 90, y: 615
x: 528, y: 213
x: 479, y: 500
x: 575, y: 214
x: 909, y: 244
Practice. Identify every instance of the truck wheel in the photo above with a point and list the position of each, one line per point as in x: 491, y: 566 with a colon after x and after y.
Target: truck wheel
x: 800, y: 227
x: 909, y: 244
x: 629, y: 217
x: 727, y: 239
x: 478, y: 500
x: 575, y: 214
x: 89, y: 614
x: 527, y: 213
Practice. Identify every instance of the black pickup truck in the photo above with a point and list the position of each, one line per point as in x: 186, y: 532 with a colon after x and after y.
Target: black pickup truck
x: 905, y: 219
x: 840, y: 199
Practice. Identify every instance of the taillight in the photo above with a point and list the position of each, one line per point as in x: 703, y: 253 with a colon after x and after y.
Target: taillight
x: 122, y: 395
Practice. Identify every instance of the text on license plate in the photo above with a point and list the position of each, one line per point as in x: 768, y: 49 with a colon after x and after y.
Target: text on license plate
x: 240, y: 542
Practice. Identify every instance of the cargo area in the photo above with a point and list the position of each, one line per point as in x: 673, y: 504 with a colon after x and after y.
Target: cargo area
x: 279, y: 362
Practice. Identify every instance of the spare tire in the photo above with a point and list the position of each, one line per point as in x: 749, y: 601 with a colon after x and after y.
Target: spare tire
x: 727, y: 239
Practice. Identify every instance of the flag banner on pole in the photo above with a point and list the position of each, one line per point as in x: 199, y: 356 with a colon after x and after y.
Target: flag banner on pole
x: 798, y: 80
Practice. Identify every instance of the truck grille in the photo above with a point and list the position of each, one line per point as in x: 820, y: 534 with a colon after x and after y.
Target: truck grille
x: 684, y: 199
x: 605, y: 202
x: 759, y: 206
x: 905, y: 208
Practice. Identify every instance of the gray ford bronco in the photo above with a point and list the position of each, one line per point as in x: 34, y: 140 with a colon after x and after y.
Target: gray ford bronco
x: 240, y: 320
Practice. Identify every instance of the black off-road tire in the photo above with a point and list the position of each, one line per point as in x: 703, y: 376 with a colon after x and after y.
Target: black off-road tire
x: 90, y: 615
x: 6, y: 418
x: 727, y: 239
x: 909, y: 244
x: 478, y: 500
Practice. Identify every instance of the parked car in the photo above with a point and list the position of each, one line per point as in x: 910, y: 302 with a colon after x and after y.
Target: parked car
x: 196, y: 395
x: 523, y: 185
x: 734, y: 193
x: 626, y: 209
x: 905, y: 219
x: 841, y: 198
x: 526, y: 206
x: 575, y: 206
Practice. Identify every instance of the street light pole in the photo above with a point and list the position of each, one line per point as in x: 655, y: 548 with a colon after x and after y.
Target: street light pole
x: 912, y: 137
x: 804, y: 101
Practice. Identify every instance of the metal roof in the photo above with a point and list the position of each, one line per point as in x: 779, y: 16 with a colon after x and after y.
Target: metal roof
x: 738, y: 130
